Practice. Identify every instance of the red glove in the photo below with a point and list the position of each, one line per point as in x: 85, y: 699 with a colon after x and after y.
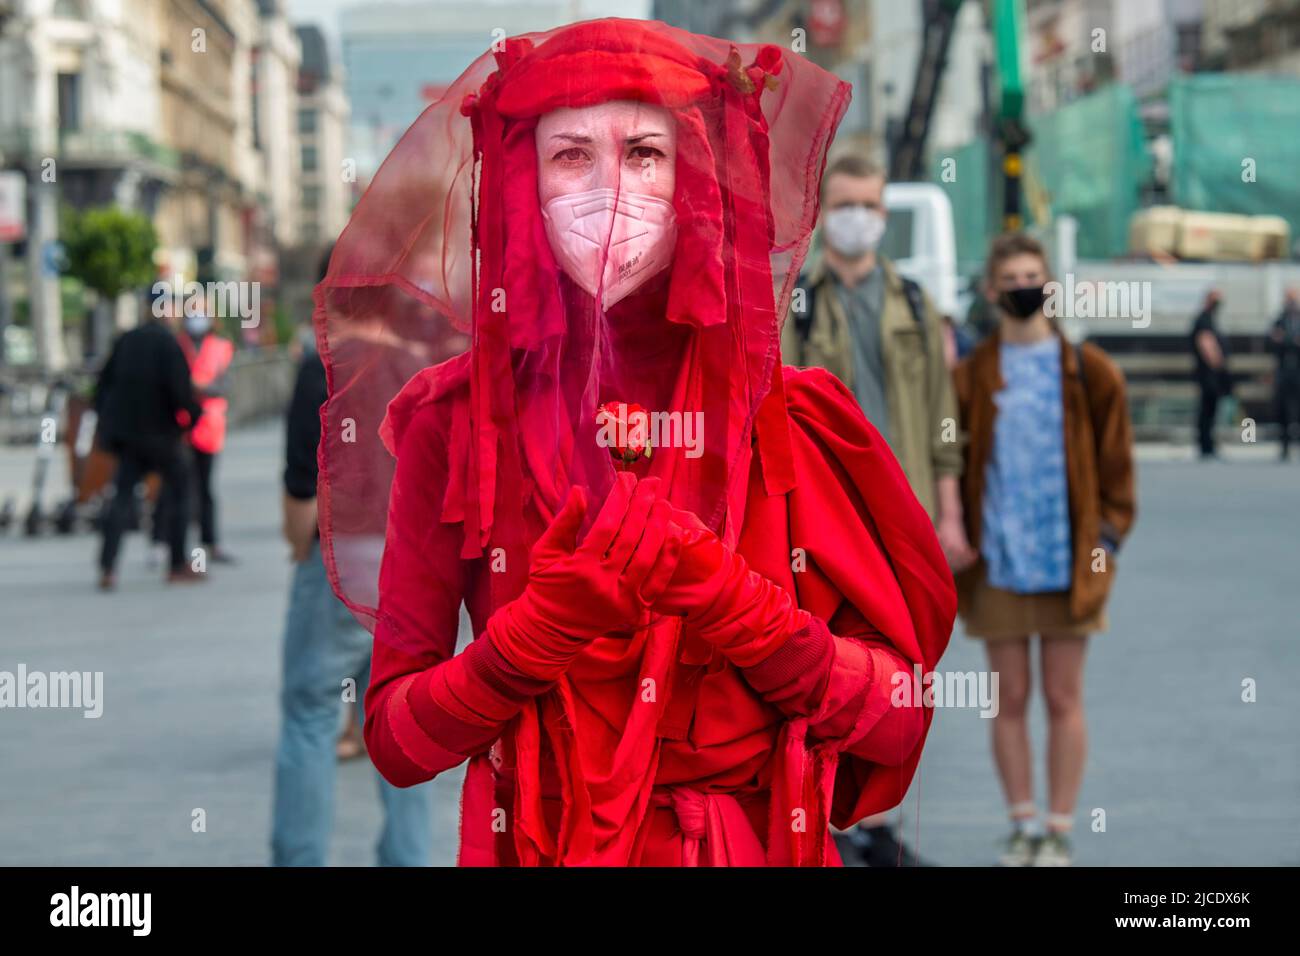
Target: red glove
x: 726, y: 602
x: 577, y: 593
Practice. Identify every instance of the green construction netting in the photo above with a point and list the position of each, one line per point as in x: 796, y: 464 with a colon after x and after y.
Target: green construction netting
x: 965, y: 175
x: 1090, y: 160
x: 1087, y: 159
x: 1218, y: 121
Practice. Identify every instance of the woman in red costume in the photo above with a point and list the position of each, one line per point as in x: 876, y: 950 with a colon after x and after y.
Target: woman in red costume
x: 683, y: 657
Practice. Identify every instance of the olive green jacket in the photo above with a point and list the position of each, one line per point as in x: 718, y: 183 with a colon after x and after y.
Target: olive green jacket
x: 924, y: 431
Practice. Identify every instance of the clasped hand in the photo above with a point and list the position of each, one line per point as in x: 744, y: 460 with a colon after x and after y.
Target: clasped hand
x: 641, y: 554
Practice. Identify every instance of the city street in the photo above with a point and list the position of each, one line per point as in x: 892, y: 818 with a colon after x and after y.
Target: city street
x: 1185, y: 771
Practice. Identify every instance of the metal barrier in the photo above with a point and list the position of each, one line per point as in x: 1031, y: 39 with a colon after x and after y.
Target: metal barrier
x: 261, y: 382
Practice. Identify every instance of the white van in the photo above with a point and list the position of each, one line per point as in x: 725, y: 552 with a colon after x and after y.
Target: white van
x: 922, y: 242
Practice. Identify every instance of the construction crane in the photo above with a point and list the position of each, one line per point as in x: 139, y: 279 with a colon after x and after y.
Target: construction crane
x: 907, y: 155
x: 1011, y: 131
x: 907, y: 152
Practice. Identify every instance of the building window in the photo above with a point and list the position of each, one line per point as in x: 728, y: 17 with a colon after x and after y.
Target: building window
x: 309, y: 159
x: 68, y: 10
x: 69, y: 101
x: 306, y: 121
x: 310, y: 197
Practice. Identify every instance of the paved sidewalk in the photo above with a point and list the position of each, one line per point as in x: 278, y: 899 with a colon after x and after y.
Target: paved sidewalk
x: 1208, y: 595
x: 191, y: 712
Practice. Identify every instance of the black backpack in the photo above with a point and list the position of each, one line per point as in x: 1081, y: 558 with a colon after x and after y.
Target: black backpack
x: 803, y: 320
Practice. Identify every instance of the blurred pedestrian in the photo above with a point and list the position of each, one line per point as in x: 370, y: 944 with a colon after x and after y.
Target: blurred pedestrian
x: 1211, y: 354
x: 143, y: 395
x: 209, y: 356
x: 351, y: 743
x: 982, y: 316
x: 1049, y: 495
x: 324, y: 648
x: 1285, y: 340
x: 957, y: 342
x: 878, y: 332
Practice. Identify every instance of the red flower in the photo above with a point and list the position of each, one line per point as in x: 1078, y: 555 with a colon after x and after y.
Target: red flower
x: 624, y: 430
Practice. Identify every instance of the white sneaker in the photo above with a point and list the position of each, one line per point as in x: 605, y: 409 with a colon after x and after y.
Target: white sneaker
x: 1054, y: 850
x: 1018, y: 850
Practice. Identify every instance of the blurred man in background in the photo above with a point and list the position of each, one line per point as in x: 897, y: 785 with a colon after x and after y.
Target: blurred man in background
x: 143, y: 395
x: 1285, y: 339
x: 879, y: 334
x: 1211, y: 355
x: 324, y: 647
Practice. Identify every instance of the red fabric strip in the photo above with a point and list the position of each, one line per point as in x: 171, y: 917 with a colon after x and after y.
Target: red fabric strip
x: 421, y: 749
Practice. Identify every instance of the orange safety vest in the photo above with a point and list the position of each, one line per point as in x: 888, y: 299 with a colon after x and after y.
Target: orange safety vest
x: 206, y: 366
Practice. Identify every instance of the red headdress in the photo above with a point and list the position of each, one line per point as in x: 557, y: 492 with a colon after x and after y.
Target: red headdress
x: 444, y: 281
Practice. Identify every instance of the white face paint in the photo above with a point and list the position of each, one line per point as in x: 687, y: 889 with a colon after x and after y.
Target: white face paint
x: 606, y: 176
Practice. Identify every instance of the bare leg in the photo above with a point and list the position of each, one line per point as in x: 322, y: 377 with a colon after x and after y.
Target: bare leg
x: 1011, y: 750
x: 1067, y: 744
x: 351, y: 743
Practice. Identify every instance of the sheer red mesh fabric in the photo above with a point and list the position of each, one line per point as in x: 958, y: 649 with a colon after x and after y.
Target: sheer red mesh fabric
x: 444, y: 281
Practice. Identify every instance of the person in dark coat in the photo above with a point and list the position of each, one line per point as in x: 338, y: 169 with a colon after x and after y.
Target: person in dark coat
x: 145, y: 401
x: 1285, y: 340
x: 1211, y: 354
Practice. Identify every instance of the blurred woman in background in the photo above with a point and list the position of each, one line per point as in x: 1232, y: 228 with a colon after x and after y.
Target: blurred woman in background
x: 1049, y: 495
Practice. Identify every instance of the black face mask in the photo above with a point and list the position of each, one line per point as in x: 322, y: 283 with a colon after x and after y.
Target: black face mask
x: 1022, y: 303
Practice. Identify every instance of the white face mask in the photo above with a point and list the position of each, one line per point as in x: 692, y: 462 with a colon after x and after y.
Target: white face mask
x: 639, y: 231
x: 853, y: 231
x: 198, y: 324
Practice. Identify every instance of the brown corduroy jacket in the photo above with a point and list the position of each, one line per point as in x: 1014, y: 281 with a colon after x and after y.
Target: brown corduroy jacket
x: 1098, y: 459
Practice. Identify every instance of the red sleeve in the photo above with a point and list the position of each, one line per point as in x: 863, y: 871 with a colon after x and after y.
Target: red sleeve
x: 428, y: 708
x: 844, y: 684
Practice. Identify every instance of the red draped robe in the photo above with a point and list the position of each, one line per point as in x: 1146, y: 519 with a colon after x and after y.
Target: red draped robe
x: 700, y: 763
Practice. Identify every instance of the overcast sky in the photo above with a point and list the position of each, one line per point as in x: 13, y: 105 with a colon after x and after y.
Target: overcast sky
x: 325, y: 13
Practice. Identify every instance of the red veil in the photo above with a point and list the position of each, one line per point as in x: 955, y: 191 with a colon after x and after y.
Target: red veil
x: 443, y: 296
x: 401, y: 300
